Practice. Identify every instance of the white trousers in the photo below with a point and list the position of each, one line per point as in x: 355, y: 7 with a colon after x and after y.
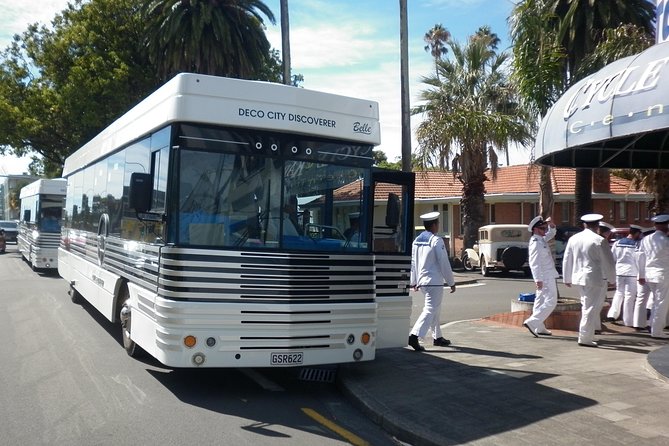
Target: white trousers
x: 658, y: 314
x: 591, y: 295
x: 429, y: 318
x: 624, y: 298
x: 640, y: 305
x: 544, y: 304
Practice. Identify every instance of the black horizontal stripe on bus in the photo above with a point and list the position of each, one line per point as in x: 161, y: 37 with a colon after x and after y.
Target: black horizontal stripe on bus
x: 281, y: 338
x: 264, y: 260
x: 270, y: 300
x: 265, y: 281
x: 389, y: 287
x: 276, y: 291
x: 287, y: 347
x: 325, y: 321
x: 264, y: 270
x: 285, y: 312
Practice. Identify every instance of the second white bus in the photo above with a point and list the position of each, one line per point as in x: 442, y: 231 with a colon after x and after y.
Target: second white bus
x: 42, y: 205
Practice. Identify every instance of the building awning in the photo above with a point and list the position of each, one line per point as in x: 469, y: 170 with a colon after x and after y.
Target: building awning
x: 615, y: 118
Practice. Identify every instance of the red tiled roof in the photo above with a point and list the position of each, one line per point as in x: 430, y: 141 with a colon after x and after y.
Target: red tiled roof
x: 510, y: 179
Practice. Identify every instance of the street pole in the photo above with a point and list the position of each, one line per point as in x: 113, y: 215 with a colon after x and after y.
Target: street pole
x: 404, y: 89
x: 285, y: 43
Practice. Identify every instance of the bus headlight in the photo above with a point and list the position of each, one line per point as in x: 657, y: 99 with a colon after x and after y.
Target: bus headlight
x: 35, y: 234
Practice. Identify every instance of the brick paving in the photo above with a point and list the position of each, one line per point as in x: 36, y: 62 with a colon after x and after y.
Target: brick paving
x: 498, y: 385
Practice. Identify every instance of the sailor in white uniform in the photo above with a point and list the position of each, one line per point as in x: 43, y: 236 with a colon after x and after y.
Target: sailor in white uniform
x: 624, y: 254
x: 653, y: 263
x: 586, y: 263
x: 544, y: 273
x: 430, y: 269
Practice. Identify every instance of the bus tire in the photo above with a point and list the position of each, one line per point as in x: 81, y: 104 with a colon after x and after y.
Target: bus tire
x: 75, y: 296
x: 132, y: 349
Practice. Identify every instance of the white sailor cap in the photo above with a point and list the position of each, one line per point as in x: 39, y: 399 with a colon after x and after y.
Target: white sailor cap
x: 591, y: 218
x: 430, y: 216
x: 660, y: 219
x: 536, y: 221
x: 354, y: 215
x: 637, y: 227
x: 603, y: 224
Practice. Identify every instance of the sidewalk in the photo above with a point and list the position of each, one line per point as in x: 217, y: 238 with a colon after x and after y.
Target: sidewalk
x: 498, y: 385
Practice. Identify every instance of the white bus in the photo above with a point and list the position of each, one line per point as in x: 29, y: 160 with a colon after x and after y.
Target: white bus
x: 38, y: 239
x: 209, y: 221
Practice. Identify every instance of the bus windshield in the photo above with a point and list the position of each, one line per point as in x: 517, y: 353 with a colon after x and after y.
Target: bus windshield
x: 256, y: 201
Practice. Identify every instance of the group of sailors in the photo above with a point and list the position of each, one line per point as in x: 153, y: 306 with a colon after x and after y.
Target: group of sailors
x: 637, y: 265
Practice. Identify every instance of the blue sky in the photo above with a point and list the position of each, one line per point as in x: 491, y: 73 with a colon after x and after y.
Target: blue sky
x: 347, y: 47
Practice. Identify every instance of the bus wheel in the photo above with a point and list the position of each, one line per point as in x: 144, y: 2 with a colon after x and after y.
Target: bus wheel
x: 131, y: 348
x: 75, y: 296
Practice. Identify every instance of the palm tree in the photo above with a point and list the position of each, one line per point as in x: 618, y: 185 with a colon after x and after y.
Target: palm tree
x: 568, y: 31
x: 537, y: 73
x: 219, y: 37
x: 469, y: 108
x: 581, y: 28
x: 436, y: 39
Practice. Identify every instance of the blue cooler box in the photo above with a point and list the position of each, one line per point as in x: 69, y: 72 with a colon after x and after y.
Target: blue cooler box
x: 526, y: 297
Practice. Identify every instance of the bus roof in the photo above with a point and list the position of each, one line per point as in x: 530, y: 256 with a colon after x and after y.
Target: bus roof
x: 57, y: 186
x: 215, y: 100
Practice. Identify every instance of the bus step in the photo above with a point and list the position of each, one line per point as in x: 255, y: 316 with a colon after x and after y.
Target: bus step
x: 318, y: 374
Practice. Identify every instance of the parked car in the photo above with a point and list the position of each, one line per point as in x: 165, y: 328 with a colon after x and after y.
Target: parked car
x: 11, y: 229
x: 500, y: 247
x: 3, y: 244
x: 561, y: 236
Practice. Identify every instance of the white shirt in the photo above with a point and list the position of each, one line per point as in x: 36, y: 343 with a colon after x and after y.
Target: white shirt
x: 653, y: 257
x: 587, y: 259
x: 540, y: 256
x: 429, y: 261
x: 625, y: 254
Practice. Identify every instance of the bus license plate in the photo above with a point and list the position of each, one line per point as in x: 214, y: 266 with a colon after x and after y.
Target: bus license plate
x: 287, y: 358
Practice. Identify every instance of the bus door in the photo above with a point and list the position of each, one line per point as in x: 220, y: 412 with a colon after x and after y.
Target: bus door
x: 392, y: 225
x: 392, y: 221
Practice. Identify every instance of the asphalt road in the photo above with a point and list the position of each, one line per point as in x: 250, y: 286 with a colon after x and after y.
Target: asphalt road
x: 66, y: 380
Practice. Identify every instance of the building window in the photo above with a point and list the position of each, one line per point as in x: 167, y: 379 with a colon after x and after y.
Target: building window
x: 444, y: 218
x: 564, y: 207
x: 492, y: 214
x: 637, y: 214
x: 622, y: 211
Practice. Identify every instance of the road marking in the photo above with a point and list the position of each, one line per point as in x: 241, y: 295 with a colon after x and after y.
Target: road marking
x: 262, y: 381
x: 347, y: 435
x: 470, y: 285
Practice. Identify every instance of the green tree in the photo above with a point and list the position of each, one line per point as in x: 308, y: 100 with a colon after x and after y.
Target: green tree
x: 436, y: 39
x: 557, y: 36
x: 470, y: 111
x: 60, y: 86
x: 218, y: 37
x: 537, y: 72
x: 581, y: 28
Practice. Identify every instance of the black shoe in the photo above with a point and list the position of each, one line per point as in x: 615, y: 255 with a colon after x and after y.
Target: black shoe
x: 598, y: 332
x: 413, y: 342
x: 531, y: 331
x: 441, y: 342
x: 610, y: 319
x: 642, y: 330
x: 588, y: 344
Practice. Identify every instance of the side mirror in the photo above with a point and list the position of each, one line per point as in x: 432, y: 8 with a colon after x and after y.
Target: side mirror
x: 141, y: 187
x: 26, y: 215
x: 393, y: 211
